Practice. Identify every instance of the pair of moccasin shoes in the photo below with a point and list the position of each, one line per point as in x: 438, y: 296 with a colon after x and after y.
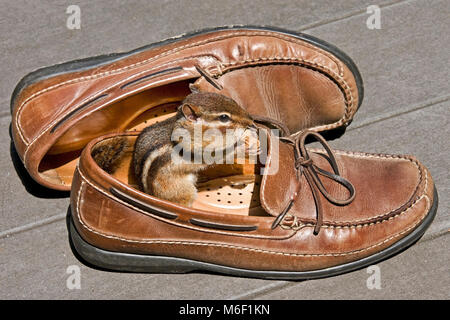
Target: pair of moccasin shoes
x: 316, y: 213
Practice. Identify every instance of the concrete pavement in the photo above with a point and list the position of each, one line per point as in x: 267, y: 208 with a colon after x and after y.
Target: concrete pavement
x: 406, y: 109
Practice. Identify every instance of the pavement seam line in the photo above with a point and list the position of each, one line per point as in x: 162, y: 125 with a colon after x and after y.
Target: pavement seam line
x: 425, y: 104
x: 32, y: 225
x: 347, y: 16
x: 271, y: 287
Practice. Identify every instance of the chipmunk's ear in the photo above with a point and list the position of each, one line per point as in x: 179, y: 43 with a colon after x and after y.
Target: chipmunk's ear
x: 194, y: 88
x: 190, y: 112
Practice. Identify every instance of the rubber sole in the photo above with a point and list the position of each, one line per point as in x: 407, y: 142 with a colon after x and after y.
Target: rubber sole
x: 92, y: 62
x: 162, y: 264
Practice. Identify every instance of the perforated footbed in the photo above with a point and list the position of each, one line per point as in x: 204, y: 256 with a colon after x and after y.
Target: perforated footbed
x: 231, y: 194
x: 237, y: 194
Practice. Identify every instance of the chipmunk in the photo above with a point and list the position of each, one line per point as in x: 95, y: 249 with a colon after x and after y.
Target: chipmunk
x: 160, y: 168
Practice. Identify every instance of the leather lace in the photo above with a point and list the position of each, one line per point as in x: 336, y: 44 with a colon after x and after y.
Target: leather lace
x: 305, y: 166
x: 270, y: 122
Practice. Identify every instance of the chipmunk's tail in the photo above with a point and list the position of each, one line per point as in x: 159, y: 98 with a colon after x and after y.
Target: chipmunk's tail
x: 110, y: 152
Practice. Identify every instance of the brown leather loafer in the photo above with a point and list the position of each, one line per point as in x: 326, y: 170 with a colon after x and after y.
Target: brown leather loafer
x: 316, y: 213
x: 294, y: 78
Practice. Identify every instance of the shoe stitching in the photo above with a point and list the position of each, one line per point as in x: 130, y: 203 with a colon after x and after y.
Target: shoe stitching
x: 349, y: 103
x: 362, y: 222
x: 384, y: 216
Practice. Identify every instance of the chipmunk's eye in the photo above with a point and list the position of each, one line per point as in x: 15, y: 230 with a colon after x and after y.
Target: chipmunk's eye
x: 224, y: 118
